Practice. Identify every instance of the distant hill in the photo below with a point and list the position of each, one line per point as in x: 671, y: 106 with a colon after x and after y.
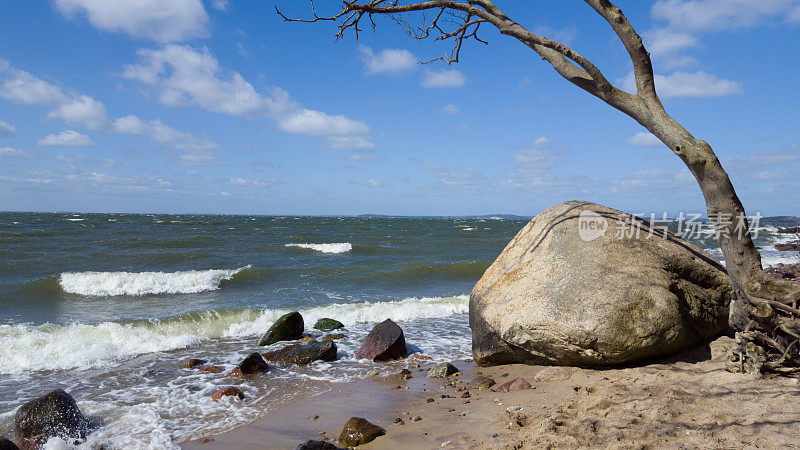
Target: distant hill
x: 792, y: 220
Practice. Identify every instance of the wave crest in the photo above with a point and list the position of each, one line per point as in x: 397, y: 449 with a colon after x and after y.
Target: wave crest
x: 336, y: 247
x: 105, y: 284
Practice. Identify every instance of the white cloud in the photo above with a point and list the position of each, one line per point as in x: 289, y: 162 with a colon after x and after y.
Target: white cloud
x: 447, y: 78
x: 12, y: 152
x: 645, y: 139
x: 667, y: 46
x: 450, y: 109
x: 220, y: 5
x: 156, y: 20
x: 84, y: 111
x: 372, y: 182
x: 716, y: 15
x: 21, y: 87
x: 161, y: 133
x: 683, y: 84
x: 316, y: 123
x: 181, y: 76
x: 461, y: 178
x: 68, y: 138
x: 350, y: 143
x: 387, y: 61
x: 6, y: 129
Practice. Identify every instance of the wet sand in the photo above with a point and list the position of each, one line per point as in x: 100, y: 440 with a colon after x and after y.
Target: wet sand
x: 688, y: 400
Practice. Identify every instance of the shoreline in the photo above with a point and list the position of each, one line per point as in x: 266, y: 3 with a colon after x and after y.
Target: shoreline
x: 688, y: 399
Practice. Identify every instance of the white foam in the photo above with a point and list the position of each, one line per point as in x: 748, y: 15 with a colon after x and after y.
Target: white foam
x: 101, y: 284
x: 75, y: 220
x: 26, y: 348
x: 340, y: 247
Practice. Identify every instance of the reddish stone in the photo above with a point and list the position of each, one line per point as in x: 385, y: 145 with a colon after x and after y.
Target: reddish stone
x: 517, y: 384
x: 228, y: 391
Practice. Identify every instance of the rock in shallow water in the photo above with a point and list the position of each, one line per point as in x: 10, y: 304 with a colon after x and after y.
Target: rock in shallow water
x: 332, y: 337
x: 303, y: 353
x: 229, y: 391
x: 6, y: 444
x: 385, y: 342
x: 327, y: 324
x: 288, y: 327
x: 53, y: 414
x: 316, y: 445
x: 358, y: 431
x: 443, y: 370
x: 251, y: 366
x: 578, y: 286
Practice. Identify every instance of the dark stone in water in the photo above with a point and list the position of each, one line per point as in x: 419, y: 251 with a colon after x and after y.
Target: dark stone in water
x: 443, y: 370
x: 332, y: 337
x: 211, y: 369
x: 327, y: 324
x: 6, y: 444
x: 54, y: 414
x: 385, y: 342
x: 316, y: 445
x: 289, y: 327
x: 793, y: 246
x: 251, y: 366
x: 230, y: 391
x: 358, y: 431
x: 194, y: 362
x: 303, y: 353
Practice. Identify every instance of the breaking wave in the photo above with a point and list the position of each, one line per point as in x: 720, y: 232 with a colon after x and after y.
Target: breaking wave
x: 104, y: 284
x: 341, y: 247
x: 26, y: 348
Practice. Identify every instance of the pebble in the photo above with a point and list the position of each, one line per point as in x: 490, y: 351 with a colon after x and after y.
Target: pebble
x: 372, y: 373
x: 465, y: 395
x: 429, y: 400
x: 514, y: 408
x: 465, y: 402
x: 496, y: 400
x: 315, y: 418
x: 464, y: 413
x: 446, y: 443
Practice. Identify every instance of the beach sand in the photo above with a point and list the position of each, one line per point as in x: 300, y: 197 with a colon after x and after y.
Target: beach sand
x: 685, y: 401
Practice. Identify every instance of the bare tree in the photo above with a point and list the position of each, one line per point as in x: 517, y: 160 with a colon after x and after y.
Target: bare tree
x: 763, y: 308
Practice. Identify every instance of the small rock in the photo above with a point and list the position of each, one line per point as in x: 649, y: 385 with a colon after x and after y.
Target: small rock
x: 514, y: 408
x: 482, y: 382
x: 372, y: 373
x: 6, y: 444
x: 446, y: 443
x: 417, y: 419
x: 553, y: 374
x: 451, y: 410
x: 385, y: 342
x: 316, y: 445
x: 303, y: 354
x: 229, y: 391
x: 315, y: 418
x: 211, y: 369
x: 466, y: 395
x: 358, y: 431
x: 307, y: 339
x: 252, y: 365
x: 517, y: 384
x: 194, y: 362
x: 465, y: 402
x: 430, y: 400
x: 327, y: 324
x: 53, y: 414
x: 443, y: 370
x: 288, y: 327
x: 464, y: 413
x: 332, y: 337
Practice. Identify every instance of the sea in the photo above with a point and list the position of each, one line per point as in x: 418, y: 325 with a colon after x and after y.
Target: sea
x: 109, y: 307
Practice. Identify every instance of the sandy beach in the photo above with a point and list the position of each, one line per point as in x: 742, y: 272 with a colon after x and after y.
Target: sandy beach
x: 688, y: 400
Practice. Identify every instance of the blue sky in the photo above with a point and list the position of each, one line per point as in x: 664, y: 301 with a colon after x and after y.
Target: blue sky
x: 221, y: 107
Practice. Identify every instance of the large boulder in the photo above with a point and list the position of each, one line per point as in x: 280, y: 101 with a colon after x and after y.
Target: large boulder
x: 578, y: 286
x: 52, y: 415
x: 385, y: 342
x: 303, y: 353
x: 6, y: 444
x: 288, y: 327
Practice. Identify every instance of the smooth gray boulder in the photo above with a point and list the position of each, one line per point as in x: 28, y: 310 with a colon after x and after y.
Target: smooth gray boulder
x: 577, y: 286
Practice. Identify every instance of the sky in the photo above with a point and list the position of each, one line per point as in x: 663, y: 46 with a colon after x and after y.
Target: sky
x: 220, y: 106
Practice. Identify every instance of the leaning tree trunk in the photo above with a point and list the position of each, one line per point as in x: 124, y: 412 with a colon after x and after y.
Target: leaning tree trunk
x: 763, y: 309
